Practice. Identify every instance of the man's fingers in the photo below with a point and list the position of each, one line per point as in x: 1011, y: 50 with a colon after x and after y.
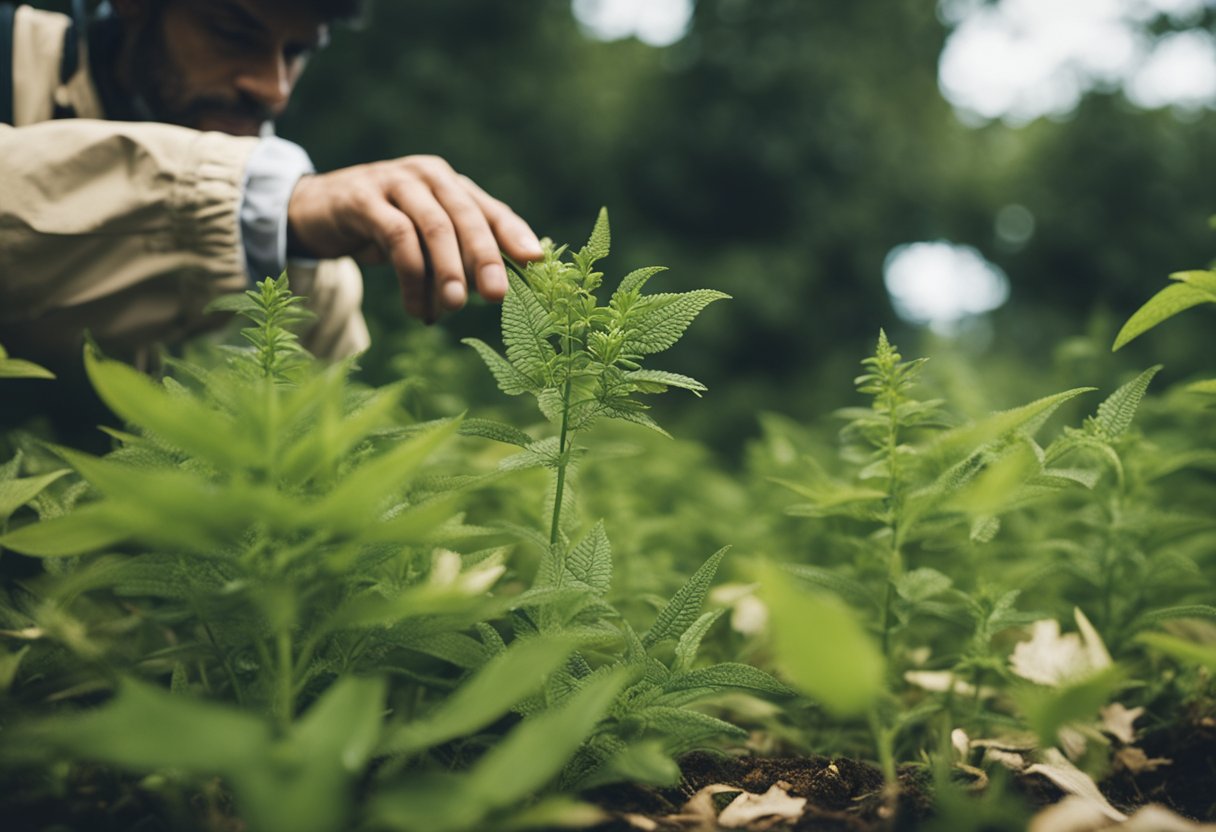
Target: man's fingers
x: 439, y: 237
x: 395, y: 236
x: 478, y: 248
x: 514, y: 236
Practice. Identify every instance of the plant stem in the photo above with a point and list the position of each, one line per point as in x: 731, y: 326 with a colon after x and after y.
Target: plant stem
x: 286, y: 692
x: 884, y: 743
x: 562, y: 461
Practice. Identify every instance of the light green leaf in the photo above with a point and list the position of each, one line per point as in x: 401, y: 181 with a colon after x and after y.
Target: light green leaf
x: 690, y: 640
x: 1188, y: 652
x: 821, y: 647
x: 921, y: 584
x: 182, y: 421
x: 599, y: 243
x: 634, y: 281
x: 1115, y: 414
x: 663, y: 380
x: 1206, y: 387
x: 727, y: 675
x: 590, y: 562
x: 1153, y: 617
x: 17, y: 492
x: 685, y: 606
x: 965, y: 439
x: 665, y: 318
x: 19, y: 368
x: 851, y: 590
x: 1165, y: 304
x: 85, y: 530
x: 526, y: 329
x: 510, y: 380
x: 497, y: 431
x: 489, y: 694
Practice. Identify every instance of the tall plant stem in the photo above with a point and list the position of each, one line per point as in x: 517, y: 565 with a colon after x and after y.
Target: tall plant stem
x: 894, y: 560
x: 286, y: 688
x: 555, y: 527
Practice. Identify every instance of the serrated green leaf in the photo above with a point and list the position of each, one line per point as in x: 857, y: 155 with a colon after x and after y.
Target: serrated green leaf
x: 690, y: 640
x: 727, y: 675
x: 664, y: 379
x: 965, y: 439
x: 486, y: 696
x: 1115, y: 414
x: 681, y: 729
x: 510, y: 380
x: 635, y: 280
x: 685, y: 606
x: 921, y: 584
x: 497, y: 431
x: 600, y: 242
x: 526, y: 329
x: 1153, y: 617
x: 665, y: 318
x: 1167, y: 303
x: 590, y: 562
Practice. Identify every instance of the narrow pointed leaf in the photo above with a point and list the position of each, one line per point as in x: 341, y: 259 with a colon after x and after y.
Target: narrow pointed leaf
x: 685, y: 606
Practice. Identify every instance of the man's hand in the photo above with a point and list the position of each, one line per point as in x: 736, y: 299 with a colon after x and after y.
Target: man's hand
x: 438, y: 229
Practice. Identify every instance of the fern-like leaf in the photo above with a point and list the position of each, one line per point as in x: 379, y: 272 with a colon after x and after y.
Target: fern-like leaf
x: 685, y: 606
x: 663, y: 318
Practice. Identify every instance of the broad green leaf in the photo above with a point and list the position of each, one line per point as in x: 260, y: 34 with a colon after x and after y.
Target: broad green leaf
x: 821, y: 647
x: 526, y: 329
x: 485, y: 697
x: 20, y: 368
x: 1199, y: 278
x: 1207, y: 387
x: 690, y: 640
x: 634, y: 281
x: 1188, y: 652
x: 497, y: 431
x: 685, y: 606
x: 1048, y: 709
x: 343, y: 726
x: 183, y: 422
x: 599, y: 243
x: 728, y: 675
x: 590, y: 562
x: 663, y: 379
x: 1115, y: 414
x: 510, y: 380
x: 336, y: 433
x: 643, y: 762
x: 17, y: 492
x: 358, y: 499
x: 144, y: 728
x: 533, y: 754
x: 965, y: 439
x: 1153, y: 617
x: 85, y: 530
x: 1167, y: 303
x: 664, y: 319
x: 921, y: 584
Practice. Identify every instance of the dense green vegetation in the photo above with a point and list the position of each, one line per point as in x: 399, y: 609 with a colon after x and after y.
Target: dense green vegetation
x: 280, y: 579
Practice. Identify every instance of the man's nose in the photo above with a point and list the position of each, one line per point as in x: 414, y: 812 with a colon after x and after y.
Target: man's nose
x: 267, y: 81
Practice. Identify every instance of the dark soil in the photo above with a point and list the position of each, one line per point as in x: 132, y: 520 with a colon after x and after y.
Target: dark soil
x: 845, y: 795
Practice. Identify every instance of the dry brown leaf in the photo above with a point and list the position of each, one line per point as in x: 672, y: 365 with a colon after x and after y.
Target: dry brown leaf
x: 774, y: 803
x: 1117, y: 721
x: 1059, y: 770
x: 1134, y: 759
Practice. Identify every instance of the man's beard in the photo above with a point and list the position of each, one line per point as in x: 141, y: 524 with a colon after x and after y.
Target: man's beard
x: 159, y: 83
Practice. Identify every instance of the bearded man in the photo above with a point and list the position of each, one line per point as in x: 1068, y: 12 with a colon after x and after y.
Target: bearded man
x: 140, y: 179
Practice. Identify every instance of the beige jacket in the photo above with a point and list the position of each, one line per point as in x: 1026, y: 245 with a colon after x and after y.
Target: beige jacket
x: 126, y: 229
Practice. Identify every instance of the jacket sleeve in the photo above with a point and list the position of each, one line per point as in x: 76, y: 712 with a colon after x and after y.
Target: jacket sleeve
x: 99, y: 214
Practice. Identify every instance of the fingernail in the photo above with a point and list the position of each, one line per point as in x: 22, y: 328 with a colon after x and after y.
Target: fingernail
x: 492, y: 280
x: 528, y: 242
x: 453, y: 295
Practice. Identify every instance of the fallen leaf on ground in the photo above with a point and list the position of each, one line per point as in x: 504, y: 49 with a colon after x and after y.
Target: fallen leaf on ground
x: 1077, y: 814
x: 1134, y: 760
x: 1057, y: 768
x: 1117, y: 721
x: 748, y: 807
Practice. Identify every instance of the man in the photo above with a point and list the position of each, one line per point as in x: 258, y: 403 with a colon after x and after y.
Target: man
x: 139, y: 179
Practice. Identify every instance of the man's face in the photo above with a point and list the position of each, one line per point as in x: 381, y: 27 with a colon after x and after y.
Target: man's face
x: 226, y: 65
